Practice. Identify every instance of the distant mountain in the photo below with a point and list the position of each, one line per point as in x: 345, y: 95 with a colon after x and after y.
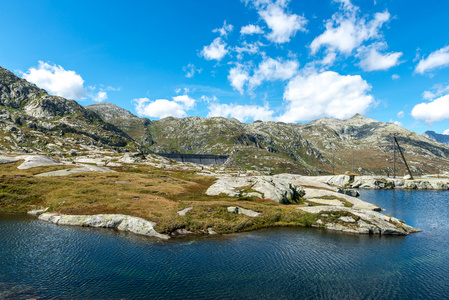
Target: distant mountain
x: 33, y: 121
x: 442, y: 138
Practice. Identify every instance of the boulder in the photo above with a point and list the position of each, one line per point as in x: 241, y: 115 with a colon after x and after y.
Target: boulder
x: 275, y: 188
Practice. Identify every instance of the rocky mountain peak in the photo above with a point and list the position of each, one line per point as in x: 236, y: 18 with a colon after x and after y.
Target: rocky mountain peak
x: 109, y: 111
x: 15, y: 91
x: 432, y: 135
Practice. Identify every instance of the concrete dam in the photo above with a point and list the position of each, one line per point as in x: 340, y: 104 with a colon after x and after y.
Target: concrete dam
x: 203, y: 159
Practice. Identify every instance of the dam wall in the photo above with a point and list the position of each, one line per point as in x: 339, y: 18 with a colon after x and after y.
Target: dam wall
x: 203, y: 159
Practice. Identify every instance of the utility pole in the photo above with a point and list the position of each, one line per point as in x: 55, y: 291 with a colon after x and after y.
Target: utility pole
x: 352, y: 161
x: 394, y: 156
x: 403, y: 157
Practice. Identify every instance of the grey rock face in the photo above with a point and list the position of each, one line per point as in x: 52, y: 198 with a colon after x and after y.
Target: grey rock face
x: 121, y: 222
x: 271, y: 187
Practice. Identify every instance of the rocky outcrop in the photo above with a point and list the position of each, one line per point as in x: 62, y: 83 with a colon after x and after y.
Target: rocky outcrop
x: 356, y: 220
x: 120, y: 222
x: 32, y: 161
x: 276, y: 188
x: 376, y: 183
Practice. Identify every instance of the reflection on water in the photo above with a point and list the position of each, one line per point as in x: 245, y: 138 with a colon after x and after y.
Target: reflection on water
x: 46, y: 261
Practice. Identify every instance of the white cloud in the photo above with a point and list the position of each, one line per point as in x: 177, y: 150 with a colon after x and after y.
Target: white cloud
x: 216, y: 50
x: 372, y: 60
x: 315, y: 95
x: 268, y: 70
x: 428, y: 95
x: 239, y: 76
x: 400, y: 114
x: 446, y: 132
x: 162, y: 108
x: 273, y: 69
x: 436, y: 110
x: 251, y: 29
x: 241, y: 112
x: 395, y: 77
x: 347, y: 31
x: 208, y: 99
x: 57, y: 81
x: 250, y: 48
x: 438, y: 90
x: 223, y: 31
x: 100, y: 96
x: 398, y: 123
x: 437, y: 59
x: 283, y: 25
x: 191, y: 70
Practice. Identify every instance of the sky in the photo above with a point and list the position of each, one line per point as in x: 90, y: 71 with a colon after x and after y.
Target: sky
x: 271, y: 60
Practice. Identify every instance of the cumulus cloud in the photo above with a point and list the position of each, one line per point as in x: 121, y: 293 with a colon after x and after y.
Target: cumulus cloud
x: 250, y: 48
x: 282, y: 24
x: 162, y: 108
x: 347, y: 30
x: 372, y: 60
x: 273, y: 69
x: 314, y: 95
x: 268, y: 70
x: 215, y: 51
x: 223, y: 31
x: 100, y: 96
x: 190, y: 70
x: 239, y: 76
x: 437, y: 59
x: 251, y: 29
x: 436, y: 110
x: 241, y: 112
x: 401, y: 114
x: 57, y: 81
x: 446, y: 132
x: 395, y: 77
x: 438, y: 90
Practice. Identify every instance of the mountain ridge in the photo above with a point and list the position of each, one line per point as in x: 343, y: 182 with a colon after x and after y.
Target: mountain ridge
x: 32, y: 121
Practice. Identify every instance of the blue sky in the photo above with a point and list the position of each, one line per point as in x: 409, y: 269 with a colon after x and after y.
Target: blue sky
x: 289, y: 61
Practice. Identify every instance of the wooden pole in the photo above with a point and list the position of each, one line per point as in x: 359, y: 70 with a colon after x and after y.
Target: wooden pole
x: 403, y: 157
x: 394, y: 157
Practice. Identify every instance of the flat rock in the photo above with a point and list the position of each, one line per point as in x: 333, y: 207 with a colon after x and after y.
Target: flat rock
x: 7, y: 159
x: 32, y: 161
x: 184, y: 211
x: 243, y: 211
x: 118, y: 221
x: 67, y: 172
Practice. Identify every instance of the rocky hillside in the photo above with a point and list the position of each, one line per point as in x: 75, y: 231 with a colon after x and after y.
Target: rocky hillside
x: 442, y: 138
x: 324, y: 146
x: 31, y: 121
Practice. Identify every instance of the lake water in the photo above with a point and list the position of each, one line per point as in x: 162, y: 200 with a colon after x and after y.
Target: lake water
x: 45, y: 261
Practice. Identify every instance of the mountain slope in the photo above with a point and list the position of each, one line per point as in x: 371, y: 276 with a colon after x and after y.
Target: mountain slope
x: 30, y: 120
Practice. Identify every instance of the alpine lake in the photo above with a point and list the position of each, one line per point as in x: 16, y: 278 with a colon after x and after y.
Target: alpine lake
x: 44, y: 261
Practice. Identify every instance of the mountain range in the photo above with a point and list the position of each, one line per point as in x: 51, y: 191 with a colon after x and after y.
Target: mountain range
x: 31, y: 121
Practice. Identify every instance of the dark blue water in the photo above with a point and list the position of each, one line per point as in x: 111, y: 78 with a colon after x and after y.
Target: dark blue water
x: 45, y: 261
